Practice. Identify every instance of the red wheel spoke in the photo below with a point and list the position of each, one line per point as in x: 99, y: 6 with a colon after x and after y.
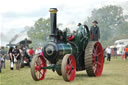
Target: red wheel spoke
x: 98, y: 69
x: 40, y: 62
x: 35, y: 67
x: 94, y: 67
x: 36, y: 63
x: 67, y: 72
x: 69, y: 67
x: 97, y: 47
x: 94, y: 52
x: 70, y: 61
x: 40, y: 73
x: 99, y: 54
x: 98, y: 63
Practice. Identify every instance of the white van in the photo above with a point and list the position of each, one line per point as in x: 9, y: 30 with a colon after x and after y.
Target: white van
x: 120, y: 45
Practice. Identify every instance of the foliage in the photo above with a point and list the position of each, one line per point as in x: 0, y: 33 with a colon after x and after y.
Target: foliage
x: 112, y: 23
x: 39, y: 32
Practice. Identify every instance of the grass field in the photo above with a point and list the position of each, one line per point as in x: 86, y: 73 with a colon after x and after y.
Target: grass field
x: 114, y: 73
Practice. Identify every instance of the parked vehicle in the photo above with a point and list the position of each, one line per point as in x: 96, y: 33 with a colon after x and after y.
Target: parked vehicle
x: 120, y: 45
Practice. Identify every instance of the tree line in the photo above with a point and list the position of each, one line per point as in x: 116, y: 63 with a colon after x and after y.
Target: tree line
x: 111, y: 20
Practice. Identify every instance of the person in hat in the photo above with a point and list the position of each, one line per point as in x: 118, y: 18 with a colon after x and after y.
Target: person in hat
x: 80, y: 30
x: 79, y: 24
x: 95, y: 32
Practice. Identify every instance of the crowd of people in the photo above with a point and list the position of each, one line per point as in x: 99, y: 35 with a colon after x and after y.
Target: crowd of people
x: 15, y: 55
x: 108, y: 53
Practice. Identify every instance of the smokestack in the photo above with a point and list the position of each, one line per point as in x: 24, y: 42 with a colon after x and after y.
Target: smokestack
x: 53, y: 20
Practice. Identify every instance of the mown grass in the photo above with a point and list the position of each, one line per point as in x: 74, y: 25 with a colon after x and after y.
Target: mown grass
x: 114, y: 73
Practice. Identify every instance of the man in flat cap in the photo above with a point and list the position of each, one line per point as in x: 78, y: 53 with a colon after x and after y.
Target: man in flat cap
x: 95, y: 32
x: 79, y: 24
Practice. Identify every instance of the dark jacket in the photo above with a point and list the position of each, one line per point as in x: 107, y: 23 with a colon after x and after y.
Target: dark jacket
x: 16, y: 52
x: 95, y: 33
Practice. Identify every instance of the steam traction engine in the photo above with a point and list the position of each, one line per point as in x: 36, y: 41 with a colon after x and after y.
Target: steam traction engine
x: 68, y: 54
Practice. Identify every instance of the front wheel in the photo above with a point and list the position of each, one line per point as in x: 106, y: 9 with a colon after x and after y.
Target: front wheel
x: 37, y: 62
x: 68, y: 67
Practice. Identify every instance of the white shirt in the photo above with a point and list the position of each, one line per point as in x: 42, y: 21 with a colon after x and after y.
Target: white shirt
x: 108, y: 50
x: 38, y: 51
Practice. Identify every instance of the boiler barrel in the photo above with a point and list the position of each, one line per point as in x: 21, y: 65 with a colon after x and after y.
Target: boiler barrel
x: 64, y: 49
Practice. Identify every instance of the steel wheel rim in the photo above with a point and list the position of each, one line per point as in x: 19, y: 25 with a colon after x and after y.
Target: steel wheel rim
x: 71, y: 68
x: 40, y: 73
x: 97, y: 59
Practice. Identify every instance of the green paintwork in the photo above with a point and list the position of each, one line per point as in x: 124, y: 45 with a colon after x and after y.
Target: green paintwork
x: 79, y: 44
x: 52, y: 67
x: 59, y: 45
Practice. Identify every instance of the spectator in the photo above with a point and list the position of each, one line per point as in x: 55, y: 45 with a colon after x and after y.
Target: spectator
x: 126, y: 52
x: 3, y: 54
x: 10, y: 53
x: 38, y: 50
x: 123, y: 54
x: 115, y: 52
x: 108, y: 50
x: 17, y: 57
x: 31, y: 52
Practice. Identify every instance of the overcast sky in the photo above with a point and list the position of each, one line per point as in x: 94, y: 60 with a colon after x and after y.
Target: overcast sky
x: 16, y: 14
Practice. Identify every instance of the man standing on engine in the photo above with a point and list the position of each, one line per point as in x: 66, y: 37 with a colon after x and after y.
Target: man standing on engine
x: 95, y: 32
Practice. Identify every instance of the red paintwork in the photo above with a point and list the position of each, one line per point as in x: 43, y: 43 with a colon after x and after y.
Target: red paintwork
x: 98, y: 59
x: 69, y: 71
x: 41, y: 62
x: 123, y: 56
x: 41, y: 54
x: 71, y: 37
x: 91, y: 36
x: 31, y: 52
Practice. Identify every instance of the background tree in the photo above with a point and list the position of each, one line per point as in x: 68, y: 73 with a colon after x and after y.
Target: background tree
x: 112, y: 23
x: 39, y: 32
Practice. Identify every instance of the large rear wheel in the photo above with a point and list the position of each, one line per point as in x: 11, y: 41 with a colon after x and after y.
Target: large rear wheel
x: 37, y: 73
x: 68, y: 67
x: 94, y: 59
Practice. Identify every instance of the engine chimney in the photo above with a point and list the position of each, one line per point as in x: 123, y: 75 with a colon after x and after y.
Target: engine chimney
x: 53, y: 21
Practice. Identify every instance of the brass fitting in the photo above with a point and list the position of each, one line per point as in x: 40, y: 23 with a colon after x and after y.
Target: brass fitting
x: 53, y: 10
